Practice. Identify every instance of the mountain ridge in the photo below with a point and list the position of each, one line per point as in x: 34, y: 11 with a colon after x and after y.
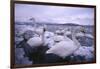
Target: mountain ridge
x: 41, y: 23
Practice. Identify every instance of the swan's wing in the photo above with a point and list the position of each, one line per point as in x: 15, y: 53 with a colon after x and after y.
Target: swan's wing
x: 35, y: 41
x: 62, y: 49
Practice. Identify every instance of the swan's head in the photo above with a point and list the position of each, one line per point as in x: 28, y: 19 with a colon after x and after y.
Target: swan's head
x: 59, y: 32
x: 44, y: 28
x: 67, y: 31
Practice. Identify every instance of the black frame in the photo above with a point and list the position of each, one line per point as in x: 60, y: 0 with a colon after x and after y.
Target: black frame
x: 12, y: 52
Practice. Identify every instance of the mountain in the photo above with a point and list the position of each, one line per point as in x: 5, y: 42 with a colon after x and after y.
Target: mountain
x: 42, y: 23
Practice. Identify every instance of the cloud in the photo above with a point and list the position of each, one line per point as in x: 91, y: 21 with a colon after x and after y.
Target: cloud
x: 54, y: 14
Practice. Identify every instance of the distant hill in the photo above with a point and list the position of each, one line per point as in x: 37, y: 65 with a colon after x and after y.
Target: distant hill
x: 42, y: 23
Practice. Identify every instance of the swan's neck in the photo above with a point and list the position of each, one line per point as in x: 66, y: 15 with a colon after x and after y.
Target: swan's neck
x: 75, y: 40
x: 65, y: 36
x: 42, y: 38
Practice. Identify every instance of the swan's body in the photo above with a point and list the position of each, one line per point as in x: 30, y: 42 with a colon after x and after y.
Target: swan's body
x: 48, y: 39
x: 61, y: 36
x: 65, y: 47
x: 67, y: 31
x: 84, y: 51
x: 48, y: 34
x: 51, y: 38
x: 80, y: 34
x: 35, y: 41
x: 58, y: 38
x: 89, y: 36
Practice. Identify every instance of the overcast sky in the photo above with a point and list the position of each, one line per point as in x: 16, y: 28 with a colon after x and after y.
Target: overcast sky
x: 54, y: 14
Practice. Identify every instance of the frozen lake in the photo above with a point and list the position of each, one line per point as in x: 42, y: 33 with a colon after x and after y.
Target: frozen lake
x: 20, y: 27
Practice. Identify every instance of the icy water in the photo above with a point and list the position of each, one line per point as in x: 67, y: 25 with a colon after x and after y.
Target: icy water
x: 20, y: 54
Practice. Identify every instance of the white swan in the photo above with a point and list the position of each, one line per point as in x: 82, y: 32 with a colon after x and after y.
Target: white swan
x: 37, y: 40
x: 51, y: 39
x: 89, y: 36
x: 80, y: 34
x: 83, y: 34
x: 67, y: 31
x: 39, y: 30
x: 65, y: 48
x: 48, y: 39
x: 60, y: 36
x: 84, y: 51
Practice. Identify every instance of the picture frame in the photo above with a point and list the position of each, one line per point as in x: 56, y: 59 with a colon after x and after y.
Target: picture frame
x: 18, y: 13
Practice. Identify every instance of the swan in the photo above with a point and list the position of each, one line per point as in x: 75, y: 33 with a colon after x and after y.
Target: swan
x: 51, y: 39
x: 89, y: 36
x: 65, y: 48
x: 86, y: 52
x: 45, y: 38
x: 67, y: 31
x: 60, y: 36
x: 39, y: 30
x: 80, y: 34
x: 23, y: 44
x: 33, y: 47
x: 37, y: 40
x: 83, y: 34
x: 48, y: 37
x: 68, y: 47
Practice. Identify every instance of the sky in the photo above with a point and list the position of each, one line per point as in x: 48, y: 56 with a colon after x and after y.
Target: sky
x: 54, y: 14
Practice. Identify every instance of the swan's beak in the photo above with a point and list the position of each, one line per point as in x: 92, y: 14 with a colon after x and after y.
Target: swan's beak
x: 44, y: 29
